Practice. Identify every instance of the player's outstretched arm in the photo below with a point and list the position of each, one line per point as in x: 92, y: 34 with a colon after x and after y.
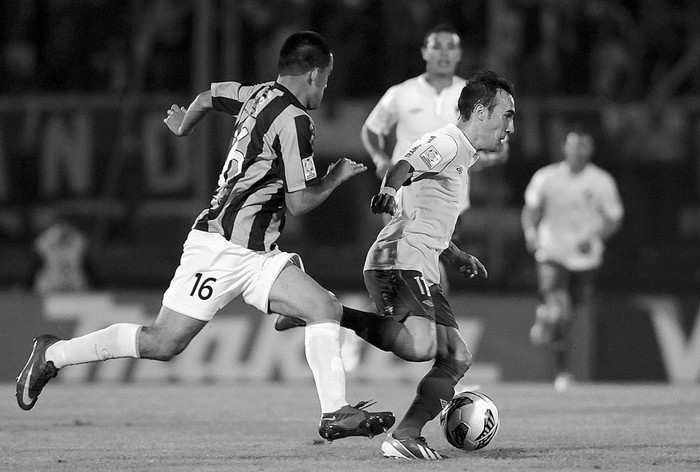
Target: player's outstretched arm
x: 181, y: 121
x: 468, y: 265
x: 305, y: 200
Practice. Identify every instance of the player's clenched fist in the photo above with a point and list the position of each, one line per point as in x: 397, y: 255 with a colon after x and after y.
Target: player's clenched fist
x: 383, y: 203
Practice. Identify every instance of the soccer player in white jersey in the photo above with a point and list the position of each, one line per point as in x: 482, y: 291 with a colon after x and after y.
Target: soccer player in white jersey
x: 424, y: 192
x: 410, y: 109
x: 231, y: 250
x: 571, y: 209
x: 419, y: 104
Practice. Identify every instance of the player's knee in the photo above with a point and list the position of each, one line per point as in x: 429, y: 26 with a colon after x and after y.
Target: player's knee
x: 324, y: 307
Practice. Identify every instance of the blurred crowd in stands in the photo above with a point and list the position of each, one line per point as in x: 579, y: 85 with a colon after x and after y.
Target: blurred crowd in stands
x: 630, y: 67
x: 621, y: 49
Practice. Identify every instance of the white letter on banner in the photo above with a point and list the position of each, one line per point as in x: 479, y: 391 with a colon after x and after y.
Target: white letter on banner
x: 167, y: 166
x: 66, y: 154
x: 681, y: 358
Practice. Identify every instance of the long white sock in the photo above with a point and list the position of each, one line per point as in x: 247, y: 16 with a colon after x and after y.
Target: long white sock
x: 322, y: 346
x: 118, y: 340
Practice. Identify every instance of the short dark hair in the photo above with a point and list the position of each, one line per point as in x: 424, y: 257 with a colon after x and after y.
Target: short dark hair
x: 481, y: 87
x: 580, y: 129
x: 303, y: 51
x: 441, y: 28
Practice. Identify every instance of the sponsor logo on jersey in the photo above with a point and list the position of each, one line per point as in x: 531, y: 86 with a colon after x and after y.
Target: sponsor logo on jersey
x: 309, y: 168
x: 431, y: 157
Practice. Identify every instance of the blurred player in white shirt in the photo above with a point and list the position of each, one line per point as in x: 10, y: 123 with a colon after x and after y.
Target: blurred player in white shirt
x: 417, y: 105
x: 571, y: 209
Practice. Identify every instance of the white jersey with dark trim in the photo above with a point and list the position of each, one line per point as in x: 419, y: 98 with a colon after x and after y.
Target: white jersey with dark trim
x: 415, y: 107
x: 428, y: 207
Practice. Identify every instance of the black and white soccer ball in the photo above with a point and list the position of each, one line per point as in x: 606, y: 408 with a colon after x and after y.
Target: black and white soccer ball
x: 470, y: 420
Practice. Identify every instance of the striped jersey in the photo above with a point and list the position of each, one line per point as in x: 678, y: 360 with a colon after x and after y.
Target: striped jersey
x: 271, y: 153
x: 428, y: 208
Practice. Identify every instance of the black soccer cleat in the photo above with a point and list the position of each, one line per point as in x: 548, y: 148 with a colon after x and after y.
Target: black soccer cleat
x: 354, y: 421
x: 36, y: 373
x: 283, y: 323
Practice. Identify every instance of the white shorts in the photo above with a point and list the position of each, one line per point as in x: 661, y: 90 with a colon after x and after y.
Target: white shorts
x: 213, y: 271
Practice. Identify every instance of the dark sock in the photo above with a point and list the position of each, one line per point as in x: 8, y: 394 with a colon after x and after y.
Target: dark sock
x: 560, y: 361
x: 382, y: 332
x: 560, y: 350
x: 437, y: 385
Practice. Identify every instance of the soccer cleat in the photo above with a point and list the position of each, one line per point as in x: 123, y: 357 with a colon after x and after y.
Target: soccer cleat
x: 36, y: 373
x: 354, y: 421
x: 283, y: 323
x: 409, y: 449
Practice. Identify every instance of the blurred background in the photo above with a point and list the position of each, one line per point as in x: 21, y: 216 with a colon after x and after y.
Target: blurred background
x: 84, y: 87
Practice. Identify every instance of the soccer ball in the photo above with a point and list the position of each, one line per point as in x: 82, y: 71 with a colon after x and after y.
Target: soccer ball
x: 469, y: 421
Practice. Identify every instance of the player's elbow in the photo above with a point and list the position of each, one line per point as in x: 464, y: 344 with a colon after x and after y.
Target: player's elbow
x: 294, y: 202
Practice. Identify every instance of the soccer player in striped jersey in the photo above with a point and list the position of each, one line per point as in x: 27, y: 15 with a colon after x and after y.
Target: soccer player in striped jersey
x: 571, y: 209
x: 231, y: 250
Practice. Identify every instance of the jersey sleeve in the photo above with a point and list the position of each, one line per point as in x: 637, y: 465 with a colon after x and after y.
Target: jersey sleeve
x: 611, y: 202
x: 384, y: 115
x: 431, y: 153
x: 230, y: 96
x: 534, y: 190
x: 296, y: 149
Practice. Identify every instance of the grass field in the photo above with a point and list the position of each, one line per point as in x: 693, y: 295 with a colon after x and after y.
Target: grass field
x: 258, y: 427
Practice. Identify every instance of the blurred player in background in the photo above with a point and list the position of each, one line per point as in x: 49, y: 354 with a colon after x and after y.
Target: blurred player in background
x: 60, y: 261
x: 571, y: 209
x: 420, y: 104
x: 231, y: 250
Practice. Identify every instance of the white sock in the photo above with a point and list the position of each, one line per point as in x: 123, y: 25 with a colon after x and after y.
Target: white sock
x: 322, y: 346
x: 118, y: 340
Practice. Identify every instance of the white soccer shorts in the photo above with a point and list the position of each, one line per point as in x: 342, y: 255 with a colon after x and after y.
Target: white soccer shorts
x: 213, y: 271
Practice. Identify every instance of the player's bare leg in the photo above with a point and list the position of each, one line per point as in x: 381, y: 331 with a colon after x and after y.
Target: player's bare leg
x: 169, y: 334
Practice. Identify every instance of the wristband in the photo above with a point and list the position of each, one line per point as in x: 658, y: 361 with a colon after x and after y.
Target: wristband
x: 388, y: 191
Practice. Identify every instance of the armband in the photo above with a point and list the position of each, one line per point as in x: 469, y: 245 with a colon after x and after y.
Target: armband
x: 388, y: 191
